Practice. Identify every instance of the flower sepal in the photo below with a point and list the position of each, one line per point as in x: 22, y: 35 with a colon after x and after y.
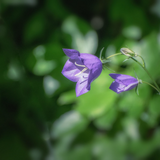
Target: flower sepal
x: 136, y: 90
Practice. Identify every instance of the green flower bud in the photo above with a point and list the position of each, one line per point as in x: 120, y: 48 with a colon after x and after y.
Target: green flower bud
x: 127, y: 52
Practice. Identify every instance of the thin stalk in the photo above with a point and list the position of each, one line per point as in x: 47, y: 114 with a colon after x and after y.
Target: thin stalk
x: 152, y: 79
x: 144, y: 65
x: 105, y: 60
x: 137, y: 61
x: 114, y: 55
x: 151, y: 85
x: 147, y: 73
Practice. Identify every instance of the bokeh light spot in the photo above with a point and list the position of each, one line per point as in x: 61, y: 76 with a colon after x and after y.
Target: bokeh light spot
x: 50, y: 85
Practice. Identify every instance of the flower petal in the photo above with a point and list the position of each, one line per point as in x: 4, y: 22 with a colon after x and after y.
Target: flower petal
x: 70, y: 70
x: 94, y: 64
x: 125, y: 79
x: 71, y: 53
x: 120, y: 76
x: 131, y: 86
x: 81, y: 86
x: 90, y: 61
x: 94, y: 73
x: 117, y: 87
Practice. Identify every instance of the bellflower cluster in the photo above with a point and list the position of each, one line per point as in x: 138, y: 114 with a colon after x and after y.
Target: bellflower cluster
x: 82, y: 68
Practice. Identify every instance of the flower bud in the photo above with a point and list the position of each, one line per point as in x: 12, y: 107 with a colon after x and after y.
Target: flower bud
x: 127, y: 52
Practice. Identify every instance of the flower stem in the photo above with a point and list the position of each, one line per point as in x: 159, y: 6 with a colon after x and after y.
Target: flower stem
x: 114, y: 55
x: 143, y: 66
x: 105, y: 60
x: 152, y: 79
x: 150, y: 85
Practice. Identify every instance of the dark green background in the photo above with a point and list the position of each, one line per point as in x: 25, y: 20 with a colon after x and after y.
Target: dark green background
x: 40, y: 116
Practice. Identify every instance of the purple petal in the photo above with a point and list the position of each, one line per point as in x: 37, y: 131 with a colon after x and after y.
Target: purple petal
x: 117, y: 87
x: 122, y: 83
x: 77, y: 61
x: 94, y: 73
x: 90, y: 61
x: 71, y: 53
x: 128, y: 81
x: 81, y: 86
x: 125, y: 79
x: 70, y: 70
x: 120, y: 76
x: 94, y: 64
x: 131, y: 86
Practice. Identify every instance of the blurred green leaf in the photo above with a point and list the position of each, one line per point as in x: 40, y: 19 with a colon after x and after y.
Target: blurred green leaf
x: 35, y: 27
x: 106, y: 121
x: 69, y: 124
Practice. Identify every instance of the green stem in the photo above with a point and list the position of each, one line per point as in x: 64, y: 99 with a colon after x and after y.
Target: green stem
x: 150, y: 85
x: 101, y: 53
x: 137, y: 61
x: 114, y: 55
x: 147, y: 73
x: 152, y: 79
x: 142, y: 60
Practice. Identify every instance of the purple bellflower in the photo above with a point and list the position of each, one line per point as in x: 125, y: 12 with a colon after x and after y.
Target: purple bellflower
x: 123, y: 82
x: 82, y: 68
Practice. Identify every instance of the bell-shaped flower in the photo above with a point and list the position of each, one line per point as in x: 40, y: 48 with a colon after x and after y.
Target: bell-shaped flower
x: 123, y: 82
x: 82, y: 68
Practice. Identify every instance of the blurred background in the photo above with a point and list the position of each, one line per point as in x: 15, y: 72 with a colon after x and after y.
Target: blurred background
x: 40, y: 116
